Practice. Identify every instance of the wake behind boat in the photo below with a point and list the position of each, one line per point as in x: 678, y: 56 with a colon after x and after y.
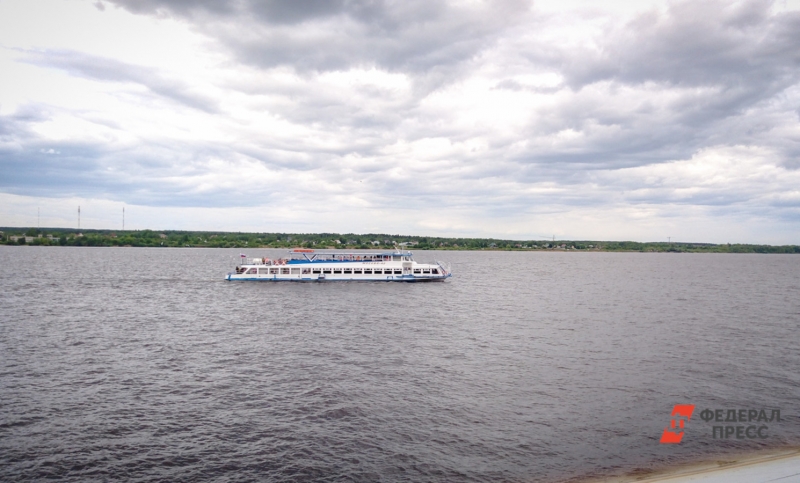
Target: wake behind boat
x: 305, y: 265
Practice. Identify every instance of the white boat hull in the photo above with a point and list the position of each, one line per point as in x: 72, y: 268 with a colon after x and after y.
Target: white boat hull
x: 332, y: 267
x: 389, y: 278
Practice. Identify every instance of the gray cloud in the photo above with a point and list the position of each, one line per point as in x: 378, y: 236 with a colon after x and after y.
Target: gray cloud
x: 185, y: 8
x: 696, y: 44
x: 328, y: 35
x: 105, y: 69
x: 723, y: 58
x: 34, y: 167
x: 740, y: 49
x: 660, y: 87
x: 716, y: 73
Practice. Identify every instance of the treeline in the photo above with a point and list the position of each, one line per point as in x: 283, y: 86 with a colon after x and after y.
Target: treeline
x: 172, y: 238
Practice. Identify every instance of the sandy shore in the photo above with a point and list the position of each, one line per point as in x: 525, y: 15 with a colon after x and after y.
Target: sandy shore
x: 780, y: 466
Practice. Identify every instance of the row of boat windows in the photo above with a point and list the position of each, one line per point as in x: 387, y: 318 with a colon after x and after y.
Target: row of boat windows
x: 355, y: 258
x: 343, y: 271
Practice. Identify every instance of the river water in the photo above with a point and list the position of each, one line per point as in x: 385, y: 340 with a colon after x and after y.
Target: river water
x: 145, y: 365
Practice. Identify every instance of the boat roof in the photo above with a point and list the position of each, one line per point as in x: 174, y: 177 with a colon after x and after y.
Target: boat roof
x: 308, y: 251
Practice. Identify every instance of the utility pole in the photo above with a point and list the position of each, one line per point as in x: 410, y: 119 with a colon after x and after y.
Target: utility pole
x: 38, y: 219
x: 669, y: 240
x: 79, y: 218
x: 123, y: 218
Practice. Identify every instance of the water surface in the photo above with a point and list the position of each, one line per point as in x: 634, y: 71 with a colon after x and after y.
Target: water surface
x: 144, y: 364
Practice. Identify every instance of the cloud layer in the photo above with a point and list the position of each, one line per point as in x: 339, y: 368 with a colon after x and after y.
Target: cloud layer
x: 680, y: 119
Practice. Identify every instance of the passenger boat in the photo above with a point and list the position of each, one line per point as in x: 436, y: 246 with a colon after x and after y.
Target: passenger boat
x: 305, y: 265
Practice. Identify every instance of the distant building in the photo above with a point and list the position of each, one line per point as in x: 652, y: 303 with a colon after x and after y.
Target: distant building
x: 163, y: 236
x: 28, y: 239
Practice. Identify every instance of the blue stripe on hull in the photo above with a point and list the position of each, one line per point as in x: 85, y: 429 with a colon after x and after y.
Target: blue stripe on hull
x: 399, y: 279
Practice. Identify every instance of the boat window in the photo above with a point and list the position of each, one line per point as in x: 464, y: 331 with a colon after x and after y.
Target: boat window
x: 338, y: 270
x: 284, y: 270
x: 306, y: 270
x: 426, y: 270
x: 326, y: 270
x: 435, y: 271
x: 348, y: 270
x: 317, y: 270
x: 273, y: 270
x: 252, y: 270
x: 417, y: 270
x: 357, y: 270
x: 398, y: 272
x: 296, y: 271
x: 263, y: 271
x: 368, y: 271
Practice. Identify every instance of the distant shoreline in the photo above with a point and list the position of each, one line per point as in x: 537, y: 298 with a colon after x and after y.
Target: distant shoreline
x: 344, y: 249
x: 350, y: 241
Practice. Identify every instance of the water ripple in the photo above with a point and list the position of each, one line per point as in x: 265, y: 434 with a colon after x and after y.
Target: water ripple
x: 144, y: 365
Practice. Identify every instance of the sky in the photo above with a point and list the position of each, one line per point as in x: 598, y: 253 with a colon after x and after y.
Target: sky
x: 627, y: 120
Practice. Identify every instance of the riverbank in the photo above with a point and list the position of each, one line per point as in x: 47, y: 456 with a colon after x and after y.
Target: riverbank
x: 780, y: 465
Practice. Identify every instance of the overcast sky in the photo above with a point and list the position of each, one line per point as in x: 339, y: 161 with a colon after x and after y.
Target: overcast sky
x: 633, y: 120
